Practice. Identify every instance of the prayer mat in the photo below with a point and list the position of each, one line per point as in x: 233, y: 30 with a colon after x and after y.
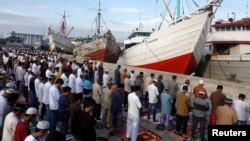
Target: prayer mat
x: 189, y: 131
x: 144, y: 135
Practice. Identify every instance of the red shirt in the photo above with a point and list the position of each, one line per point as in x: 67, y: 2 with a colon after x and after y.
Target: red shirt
x: 197, y: 89
x: 22, y: 131
x: 68, y: 69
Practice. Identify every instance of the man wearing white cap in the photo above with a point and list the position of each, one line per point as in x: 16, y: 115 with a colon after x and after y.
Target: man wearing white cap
x: 199, y: 87
x: 200, y: 114
x: 225, y: 114
x: 22, y: 127
x: 41, y: 129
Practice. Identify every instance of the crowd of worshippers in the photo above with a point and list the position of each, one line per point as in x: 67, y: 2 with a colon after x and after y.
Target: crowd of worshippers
x: 42, y: 92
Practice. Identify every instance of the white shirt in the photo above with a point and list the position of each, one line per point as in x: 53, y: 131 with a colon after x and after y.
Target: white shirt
x: 54, y: 95
x: 2, y: 92
x: 3, y: 102
x: 79, y: 85
x: 73, y: 66
x: 21, y: 74
x: 40, y: 91
x: 96, y: 76
x: 72, y: 82
x: 59, y: 65
x: 26, y: 75
x: 34, y: 68
x: 105, y: 79
x: 46, y: 88
x: 48, y: 73
x: 241, y: 109
x: 37, y: 82
x: 30, y: 138
x: 132, y: 78
x: 79, y: 72
x: 9, y: 128
x: 134, y: 105
x: 17, y: 72
x: 65, y: 80
x: 152, y: 93
x: 29, y: 77
x: 51, y: 64
x: 127, y: 85
x: 5, y: 59
x: 86, y: 67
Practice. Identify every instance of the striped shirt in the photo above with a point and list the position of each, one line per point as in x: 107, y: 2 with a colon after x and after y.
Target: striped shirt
x: 201, y: 108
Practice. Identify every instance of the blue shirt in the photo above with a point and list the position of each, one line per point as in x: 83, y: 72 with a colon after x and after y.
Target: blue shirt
x: 87, y: 84
x: 166, y: 103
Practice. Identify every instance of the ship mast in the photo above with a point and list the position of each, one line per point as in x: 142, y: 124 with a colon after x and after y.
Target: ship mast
x: 99, y: 19
x: 63, y: 25
x: 178, y: 9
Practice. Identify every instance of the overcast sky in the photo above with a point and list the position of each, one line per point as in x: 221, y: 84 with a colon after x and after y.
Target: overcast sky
x: 120, y: 16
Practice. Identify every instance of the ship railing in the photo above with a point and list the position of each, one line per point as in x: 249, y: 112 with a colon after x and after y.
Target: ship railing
x: 215, y: 3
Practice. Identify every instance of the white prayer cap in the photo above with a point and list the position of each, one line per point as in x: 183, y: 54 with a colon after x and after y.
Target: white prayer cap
x: 31, y: 111
x: 201, y: 82
x: 43, y: 125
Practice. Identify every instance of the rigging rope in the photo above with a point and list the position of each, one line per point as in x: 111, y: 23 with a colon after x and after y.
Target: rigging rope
x: 183, y: 10
x: 105, y: 23
x: 197, y: 5
x: 188, y: 6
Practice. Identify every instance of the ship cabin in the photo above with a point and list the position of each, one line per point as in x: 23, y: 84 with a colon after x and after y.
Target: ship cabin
x: 229, y: 38
x: 240, y: 25
x: 135, y: 38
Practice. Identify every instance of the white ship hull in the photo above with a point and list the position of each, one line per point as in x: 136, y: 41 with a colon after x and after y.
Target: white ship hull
x: 178, y: 48
x: 59, y: 43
